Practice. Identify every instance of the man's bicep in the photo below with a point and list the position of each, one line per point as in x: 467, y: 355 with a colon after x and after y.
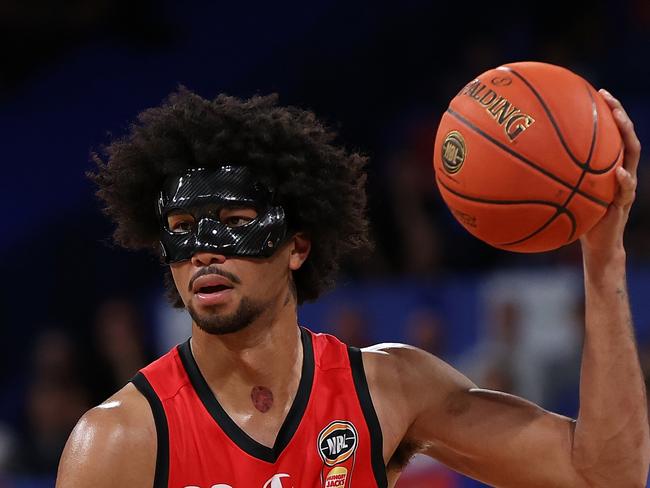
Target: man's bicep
x: 105, y: 449
x: 496, y: 437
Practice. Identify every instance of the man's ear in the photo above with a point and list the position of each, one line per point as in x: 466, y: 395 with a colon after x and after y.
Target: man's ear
x: 300, y: 247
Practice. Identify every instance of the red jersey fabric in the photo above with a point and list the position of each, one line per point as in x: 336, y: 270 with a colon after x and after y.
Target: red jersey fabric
x: 331, y: 437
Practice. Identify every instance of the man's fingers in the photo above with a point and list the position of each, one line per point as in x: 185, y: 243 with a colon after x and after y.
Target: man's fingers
x: 626, y: 128
x: 630, y: 140
x: 611, y: 100
x: 626, y: 188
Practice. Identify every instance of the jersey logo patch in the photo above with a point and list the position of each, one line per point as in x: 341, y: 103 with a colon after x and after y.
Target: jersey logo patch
x: 276, y: 481
x: 280, y: 480
x: 337, y: 445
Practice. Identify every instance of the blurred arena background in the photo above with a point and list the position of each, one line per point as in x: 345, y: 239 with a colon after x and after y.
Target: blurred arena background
x: 80, y: 317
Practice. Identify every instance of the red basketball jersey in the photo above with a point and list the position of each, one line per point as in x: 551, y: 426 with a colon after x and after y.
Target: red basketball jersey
x: 330, y: 438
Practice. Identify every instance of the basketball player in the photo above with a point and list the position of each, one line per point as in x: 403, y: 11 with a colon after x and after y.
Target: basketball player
x: 253, y: 207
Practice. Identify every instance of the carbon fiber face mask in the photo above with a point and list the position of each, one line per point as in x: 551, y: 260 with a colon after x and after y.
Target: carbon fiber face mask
x: 202, y: 194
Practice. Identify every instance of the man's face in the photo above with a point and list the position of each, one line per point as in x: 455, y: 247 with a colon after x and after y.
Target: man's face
x: 225, y: 294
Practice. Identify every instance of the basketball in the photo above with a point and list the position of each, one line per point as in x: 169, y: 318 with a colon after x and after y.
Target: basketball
x: 525, y: 157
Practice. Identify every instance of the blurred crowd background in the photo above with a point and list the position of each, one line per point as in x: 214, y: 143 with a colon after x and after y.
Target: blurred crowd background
x: 80, y: 316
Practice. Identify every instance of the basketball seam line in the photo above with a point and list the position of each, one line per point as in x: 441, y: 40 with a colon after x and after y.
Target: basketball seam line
x: 578, y: 163
x: 580, y: 180
x: 525, y: 160
x: 558, y: 210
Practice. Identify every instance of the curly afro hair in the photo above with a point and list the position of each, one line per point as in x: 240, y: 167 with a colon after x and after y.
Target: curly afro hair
x: 320, y: 185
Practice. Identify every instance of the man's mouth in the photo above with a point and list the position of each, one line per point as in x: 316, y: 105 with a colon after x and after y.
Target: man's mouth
x: 211, y: 283
x: 206, y: 290
x: 212, y: 289
x: 212, y: 295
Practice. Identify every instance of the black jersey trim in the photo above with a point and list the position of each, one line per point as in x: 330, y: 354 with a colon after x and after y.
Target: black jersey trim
x: 230, y: 428
x: 161, y: 476
x: 376, y: 437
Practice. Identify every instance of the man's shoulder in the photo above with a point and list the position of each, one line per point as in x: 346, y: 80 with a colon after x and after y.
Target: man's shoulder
x: 407, y: 384
x: 399, y: 370
x: 397, y: 362
x: 127, y: 409
x: 116, y: 438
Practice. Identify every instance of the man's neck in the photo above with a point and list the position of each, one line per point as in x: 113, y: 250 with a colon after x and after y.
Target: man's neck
x: 267, y: 353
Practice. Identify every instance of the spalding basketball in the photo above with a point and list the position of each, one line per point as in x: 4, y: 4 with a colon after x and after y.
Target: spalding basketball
x: 525, y: 157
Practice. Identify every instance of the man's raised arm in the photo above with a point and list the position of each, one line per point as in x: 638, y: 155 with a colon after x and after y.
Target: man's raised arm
x: 507, y: 441
x: 611, y: 445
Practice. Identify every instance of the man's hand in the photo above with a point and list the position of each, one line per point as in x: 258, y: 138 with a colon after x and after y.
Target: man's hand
x: 607, y: 235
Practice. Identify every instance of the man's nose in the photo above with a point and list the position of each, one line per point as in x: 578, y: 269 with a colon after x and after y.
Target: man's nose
x: 206, y: 258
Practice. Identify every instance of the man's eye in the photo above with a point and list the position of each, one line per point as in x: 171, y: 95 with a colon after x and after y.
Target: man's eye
x: 237, y: 221
x: 182, y: 226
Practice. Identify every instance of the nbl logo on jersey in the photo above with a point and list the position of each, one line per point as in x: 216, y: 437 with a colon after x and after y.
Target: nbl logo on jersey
x: 337, y: 442
x: 337, y: 446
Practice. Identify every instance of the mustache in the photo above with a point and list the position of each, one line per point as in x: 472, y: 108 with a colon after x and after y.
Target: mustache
x: 214, y: 269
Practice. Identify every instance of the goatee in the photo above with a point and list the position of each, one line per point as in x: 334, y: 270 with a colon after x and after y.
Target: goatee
x: 247, y: 312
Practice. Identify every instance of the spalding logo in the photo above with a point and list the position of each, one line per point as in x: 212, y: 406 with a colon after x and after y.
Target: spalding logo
x: 502, y: 110
x: 337, y: 442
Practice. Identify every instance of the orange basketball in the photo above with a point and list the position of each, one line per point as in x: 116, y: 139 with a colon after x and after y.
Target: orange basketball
x: 525, y: 157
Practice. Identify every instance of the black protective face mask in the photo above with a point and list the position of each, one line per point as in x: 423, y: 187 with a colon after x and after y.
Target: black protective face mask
x: 202, y: 193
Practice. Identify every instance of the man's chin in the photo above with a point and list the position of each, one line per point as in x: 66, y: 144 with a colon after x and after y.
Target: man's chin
x: 219, y: 329
x: 222, y: 322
